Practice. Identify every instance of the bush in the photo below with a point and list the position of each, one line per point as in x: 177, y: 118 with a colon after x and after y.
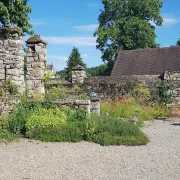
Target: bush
x: 142, y: 94
x: 75, y: 114
x: 18, y: 118
x: 102, y: 130
x: 163, y: 92
x: 70, y: 133
x: 122, y: 108
x: 46, y: 118
x: 5, y: 135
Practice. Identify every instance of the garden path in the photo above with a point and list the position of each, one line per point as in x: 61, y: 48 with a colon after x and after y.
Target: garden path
x: 34, y: 160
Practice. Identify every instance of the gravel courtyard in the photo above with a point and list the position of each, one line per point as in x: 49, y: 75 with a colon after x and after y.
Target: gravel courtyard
x: 34, y: 160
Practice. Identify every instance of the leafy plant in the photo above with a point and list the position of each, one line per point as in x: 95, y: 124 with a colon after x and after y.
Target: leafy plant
x: 46, y: 118
x: 142, y: 94
x: 11, y: 87
x: 16, y: 12
x: 103, y: 130
x: 17, y: 120
x: 47, y: 76
x: 5, y: 135
x: 163, y: 92
x: 122, y: 108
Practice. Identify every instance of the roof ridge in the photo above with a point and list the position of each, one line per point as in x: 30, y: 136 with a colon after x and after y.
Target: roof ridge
x: 150, y: 49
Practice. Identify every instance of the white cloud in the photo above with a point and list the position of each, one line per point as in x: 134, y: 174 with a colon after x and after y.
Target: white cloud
x: 84, y: 55
x: 170, y: 21
x: 91, y: 27
x: 74, y: 41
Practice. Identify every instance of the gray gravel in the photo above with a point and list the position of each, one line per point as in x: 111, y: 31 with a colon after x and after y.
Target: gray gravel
x: 34, y: 160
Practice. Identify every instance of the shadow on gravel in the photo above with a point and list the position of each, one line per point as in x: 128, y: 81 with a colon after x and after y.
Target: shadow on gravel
x: 176, y: 124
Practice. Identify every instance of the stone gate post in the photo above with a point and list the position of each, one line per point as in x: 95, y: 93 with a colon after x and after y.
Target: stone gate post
x: 36, y: 65
x: 78, y: 75
x: 12, y: 56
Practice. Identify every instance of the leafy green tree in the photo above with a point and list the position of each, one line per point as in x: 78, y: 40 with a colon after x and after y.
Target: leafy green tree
x: 178, y: 43
x: 127, y: 25
x: 102, y: 70
x: 74, y: 60
x: 16, y: 12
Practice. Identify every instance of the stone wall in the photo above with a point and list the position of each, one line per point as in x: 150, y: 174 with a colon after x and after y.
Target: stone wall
x: 7, y: 103
x: 36, y: 65
x: 12, y: 56
x: 108, y: 87
x: 91, y: 106
x: 174, y: 80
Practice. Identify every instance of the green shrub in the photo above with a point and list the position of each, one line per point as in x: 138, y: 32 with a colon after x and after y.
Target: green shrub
x: 100, y: 129
x: 11, y: 87
x: 141, y: 94
x: 107, y: 139
x: 46, y: 118
x: 5, y: 135
x: 55, y: 93
x: 17, y: 120
x: 75, y: 114
x: 163, y: 92
x: 70, y: 133
x: 120, y: 109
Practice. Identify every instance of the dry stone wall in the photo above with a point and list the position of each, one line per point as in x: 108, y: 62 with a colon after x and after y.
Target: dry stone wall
x: 174, y: 81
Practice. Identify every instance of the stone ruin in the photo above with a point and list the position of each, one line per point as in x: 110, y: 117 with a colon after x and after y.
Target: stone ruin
x: 12, y: 56
x: 12, y: 69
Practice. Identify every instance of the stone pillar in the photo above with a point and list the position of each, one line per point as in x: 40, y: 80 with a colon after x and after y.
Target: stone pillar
x: 95, y: 105
x: 12, y: 56
x: 78, y: 75
x: 36, y: 65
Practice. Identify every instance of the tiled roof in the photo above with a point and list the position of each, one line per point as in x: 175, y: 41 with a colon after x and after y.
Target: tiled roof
x: 147, y: 62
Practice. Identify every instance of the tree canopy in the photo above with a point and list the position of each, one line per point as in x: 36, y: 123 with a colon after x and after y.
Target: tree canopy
x: 101, y: 70
x: 127, y: 25
x: 16, y: 12
x: 178, y: 43
x: 74, y: 60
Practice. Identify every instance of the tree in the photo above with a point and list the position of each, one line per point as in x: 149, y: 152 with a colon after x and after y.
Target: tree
x: 74, y: 60
x: 127, y: 25
x: 178, y: 43
x: 101, y: 70
x: 15, y: 12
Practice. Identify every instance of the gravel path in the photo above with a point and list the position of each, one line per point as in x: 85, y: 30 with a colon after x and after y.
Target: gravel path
x: 34, y: 160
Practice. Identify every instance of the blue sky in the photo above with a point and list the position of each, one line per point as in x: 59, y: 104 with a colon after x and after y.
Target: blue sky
x: 67, y: 23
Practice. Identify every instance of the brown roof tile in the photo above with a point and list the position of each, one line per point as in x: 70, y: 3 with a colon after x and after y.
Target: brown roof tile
x: 147, y: 62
